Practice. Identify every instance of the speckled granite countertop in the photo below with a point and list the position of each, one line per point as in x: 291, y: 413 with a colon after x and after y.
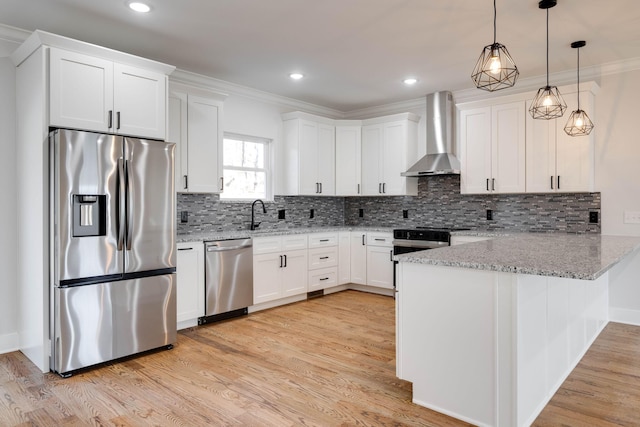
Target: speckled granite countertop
x: 239, y: 234
x: 576, y: 256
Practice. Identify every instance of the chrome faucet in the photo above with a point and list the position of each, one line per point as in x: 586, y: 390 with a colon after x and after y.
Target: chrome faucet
x: 255, y: 224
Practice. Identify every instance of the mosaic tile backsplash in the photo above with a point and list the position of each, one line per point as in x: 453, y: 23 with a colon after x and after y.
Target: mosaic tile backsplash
x: 438, y: 204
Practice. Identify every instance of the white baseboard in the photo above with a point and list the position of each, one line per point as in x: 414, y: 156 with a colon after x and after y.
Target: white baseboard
x: 9, y: 343
x: 624, y: 315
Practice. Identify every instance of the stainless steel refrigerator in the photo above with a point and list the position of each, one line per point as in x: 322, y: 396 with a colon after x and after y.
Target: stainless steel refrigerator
x: 113, y: 251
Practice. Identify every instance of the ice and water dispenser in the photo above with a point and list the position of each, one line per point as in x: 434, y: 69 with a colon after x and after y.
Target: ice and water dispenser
x: 89, y: 215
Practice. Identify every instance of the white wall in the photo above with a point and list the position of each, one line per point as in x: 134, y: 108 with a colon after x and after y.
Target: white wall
x: 617, y: 166
x: 8, y: 240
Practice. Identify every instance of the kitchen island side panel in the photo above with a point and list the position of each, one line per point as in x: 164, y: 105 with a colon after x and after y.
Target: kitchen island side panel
x: 491, y: 348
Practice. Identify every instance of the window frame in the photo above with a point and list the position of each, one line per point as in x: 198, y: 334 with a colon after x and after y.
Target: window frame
x: 268, y: 165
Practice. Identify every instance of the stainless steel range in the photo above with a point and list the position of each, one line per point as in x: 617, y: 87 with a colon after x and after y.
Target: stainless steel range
x: 408, y: 240
x: 420, y: 239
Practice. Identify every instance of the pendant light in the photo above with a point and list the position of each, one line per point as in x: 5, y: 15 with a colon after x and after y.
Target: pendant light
x: 495, y: 68
x: 548, y: 103
x: 579, y: 123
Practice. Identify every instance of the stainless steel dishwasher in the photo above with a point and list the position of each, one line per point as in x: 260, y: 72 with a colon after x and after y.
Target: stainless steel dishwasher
x: 228, y: 279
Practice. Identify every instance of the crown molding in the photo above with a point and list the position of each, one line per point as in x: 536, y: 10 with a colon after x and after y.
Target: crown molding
x: 202, y: 81
x: 13, y: 34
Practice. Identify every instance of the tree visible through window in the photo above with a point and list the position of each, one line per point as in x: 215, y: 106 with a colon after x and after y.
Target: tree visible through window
x: 245, y: 162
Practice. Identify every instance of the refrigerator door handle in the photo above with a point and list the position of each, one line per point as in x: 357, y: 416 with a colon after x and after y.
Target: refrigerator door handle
x: 128, y: 208
x: 120, y: 203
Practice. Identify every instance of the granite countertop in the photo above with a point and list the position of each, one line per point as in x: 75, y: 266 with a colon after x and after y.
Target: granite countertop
x: 243, y: 234
x: 576, y: 256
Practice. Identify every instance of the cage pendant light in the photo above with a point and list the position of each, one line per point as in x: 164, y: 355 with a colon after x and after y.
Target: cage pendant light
x: 579, y: 123
x: 548, y: 103
x: 495, y: 68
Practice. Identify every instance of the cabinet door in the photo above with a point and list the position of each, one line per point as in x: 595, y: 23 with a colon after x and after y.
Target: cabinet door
x: 294, y: 273
x: 139, y: 101
x: 326, y: 160
x: 348, y: 160
x: 344, y: 257
x: 81, y: 91
x: 203, y: 149
x: 508, y: 148
x: 475, y: 150
x: 178, y: 135
x: 394, y: 158
x: 190, y: 281
x: 380, y: 266
x: 574, y: 154
x: 358, y: 258
x: 267, y: 277
x: 308, y: 155
x: 540, y: 154
x: 372, y: 140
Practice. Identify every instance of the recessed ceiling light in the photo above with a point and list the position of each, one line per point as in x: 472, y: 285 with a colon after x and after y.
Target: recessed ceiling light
x: 139, y: 7
x: 296, y: 76
x: 410, y: 81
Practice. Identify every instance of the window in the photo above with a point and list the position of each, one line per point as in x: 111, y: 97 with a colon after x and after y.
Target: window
x: 245, y: 162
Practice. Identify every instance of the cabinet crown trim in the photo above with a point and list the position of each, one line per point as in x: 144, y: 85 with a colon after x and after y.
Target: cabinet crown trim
x: 42, y: 38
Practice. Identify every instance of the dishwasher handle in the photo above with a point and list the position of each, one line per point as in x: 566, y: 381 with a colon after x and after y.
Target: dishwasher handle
x: 226, y: 248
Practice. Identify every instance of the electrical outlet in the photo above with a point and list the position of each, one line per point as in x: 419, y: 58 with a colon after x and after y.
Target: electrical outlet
x: 631, y: 217
x: 361, y: 213
x: 593, y: 217
x: 280, y: 213
x: 184, y: 216
x: 405, y: 213
x: 312, y: 213
x: 489, y: 215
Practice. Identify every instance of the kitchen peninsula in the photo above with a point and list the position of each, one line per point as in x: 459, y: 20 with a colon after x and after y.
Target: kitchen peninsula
x: 488, y: 331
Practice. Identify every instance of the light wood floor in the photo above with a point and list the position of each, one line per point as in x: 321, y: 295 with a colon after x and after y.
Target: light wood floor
x: 325, y: 362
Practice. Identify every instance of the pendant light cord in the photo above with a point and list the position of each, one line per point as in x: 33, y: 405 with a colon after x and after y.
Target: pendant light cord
x: 494, y: 21
x: 578, y: 79
x: 547, y: 47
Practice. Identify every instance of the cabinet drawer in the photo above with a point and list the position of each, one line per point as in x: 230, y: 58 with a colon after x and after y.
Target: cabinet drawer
x: 323, y: 278
x: 323, y: 257
x: 266, y: 245
x: 318, y: 240
x: 294, y: 242
x: 379, y: 239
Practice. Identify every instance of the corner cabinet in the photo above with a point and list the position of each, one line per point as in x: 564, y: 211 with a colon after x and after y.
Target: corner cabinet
x: 389, y: 147
x: 492, y: 148
x: 195, y: 118
x: 348, y: 158
x: 190, y: 283
x: 93, y: 93
x: 557, y: 162
x: 308, y: 155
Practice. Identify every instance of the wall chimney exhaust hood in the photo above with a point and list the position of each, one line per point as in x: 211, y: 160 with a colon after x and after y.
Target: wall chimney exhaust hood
x: 440, y: 158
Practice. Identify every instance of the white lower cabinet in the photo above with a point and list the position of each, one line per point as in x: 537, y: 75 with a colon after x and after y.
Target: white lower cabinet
x: 279, y: 270
x: 358, y: 260
x: 323, y: 261
x: 190, y: 282
x: 344, y: 257
x: 380, y: 260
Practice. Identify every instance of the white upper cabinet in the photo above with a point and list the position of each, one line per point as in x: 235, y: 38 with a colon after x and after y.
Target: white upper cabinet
x: 389, y: 147
x: 308, y: 155
x: 557, y: 162
x: 492, y: 148
x: 92, y: 93
x: 348, y: 160
x: 195, y: 126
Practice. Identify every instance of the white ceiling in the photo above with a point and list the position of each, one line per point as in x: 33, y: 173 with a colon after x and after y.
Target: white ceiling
x: 354, y: 53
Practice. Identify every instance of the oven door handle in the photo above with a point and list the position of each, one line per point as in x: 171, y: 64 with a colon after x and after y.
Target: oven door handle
x: 419, y: 245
